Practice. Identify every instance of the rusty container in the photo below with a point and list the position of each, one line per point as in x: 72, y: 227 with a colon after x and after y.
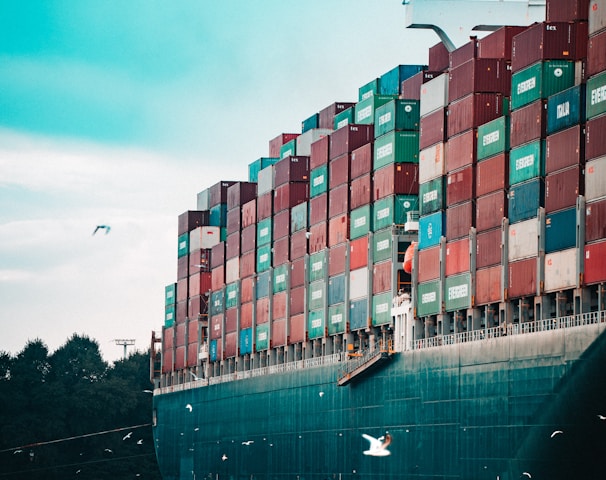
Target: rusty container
x: 319, y: 152
x: 490, y: 210
x: 336, y: 259
x: 361, y: 191
x: 528, y: 123
x: 522, y: 278
x: 460, y: 185
x: 459, y: 219
x: 318, y: 239
x: 489, y: 285
x: 492, y: 174
x: 463, y: 54
x: 338, y: 229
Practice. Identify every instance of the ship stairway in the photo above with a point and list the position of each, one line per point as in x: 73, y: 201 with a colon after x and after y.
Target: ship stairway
x: 363, y: 362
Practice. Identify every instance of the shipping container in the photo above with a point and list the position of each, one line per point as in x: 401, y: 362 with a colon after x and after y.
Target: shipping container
x: 298, y: 217
x: 338, y: 200
x: 460, y: 185
x: 170, y: 315
x: 183, y: 266
x: 523, y: 239
x: 202, y: 200
x: 595, y: 101
x: 461, y: 150
x: 431, y: 162
x: 397, y: 115
x: 264, y: 231
x: 361, y: 160
x: 369, y: 89
x: 249, y: 239
x: 430, y: 260
x: 297, y: 272
x: 319, y: 152
x: 564, y: 149
x: 596, y: 54
x: 346, y: 117
x: 381, y: 309
x: 278, y: 305
x: 246, y: 341
x: 281, y: 251
x: 561, y: 230
x: 474, y: 110
x: 358, y: 253
x: 338, y: 229
x: 278, y: 333
x: 338, y: 170
x: 488, y: 285
x: 337, y: 258
x: 541, y: 80
x: 382, y: 246
x: 182, y: 289
x: 275, y: 144
x: 595, y: 140
x: 262, y: 311
x: 393, y: 210
x: 262, y: 285
x: 297, y: 329
x: 216, y: 326
x: 396, y: 147
x: 595, y: 179
x: 192, y: 219
x: 567, y: 10
x: 239, y: 193
x: 318, y: 266
x: 595, y: 221
x: 429, y: 298
x: 191, y: 356
x: 527, y: 162
x: 459, y: 219
x: 458, y: 256
x: 528, y: 123
x: 290, y: 195
x: 336, y: 319
x: 563, y: 187
x: 262, y: 333
x: 597, y: 16
x: 434, y: 94
x: 395, y: 179
x: 232, y: 269
x: 217, y: 193
x: 561, y: 270
x: 264, y: 258
x: 490, y: 210
x: 199, y: 284
x: 265, y: 180
x: 316, y: 324
x: 360, y: 191
x: 432, y: 196
x: 566, y: 109
x: 215, y: 350
x: 318, y: 237
x: 358, y: 283
x: 498, y: 43
x: 218, y: 277
x: 411, y: 87
x: 318, y: 209
x: 231, y: 320
x: 479, y: 75
x: 246, y: 289
x: 298, y: 244
x: 493, y: 137
x: 297, y: 300
x: 522, y: 278
x: 218, y: 215
x: 265, y: 205
x: 458, y: 292
x: 326, y: 116
x: 389, y: 83
x: 232, y: 245
x: 255, y: 167
x: 280, y: 278
x: 180, y: 353
x: 489, y: 248
x: 289, y: 149
x: 358, y: 314
x: 310, y: 122
x: 336, y: 289
x: 183, y: 245
x: 232, y: 295
x: 595, y: 267
x: 492, y: 174
x: 170, y: 294
x: 359, y: 222
x: 349, y: 138
x: 364, y: 111
x: 463, y: 54
x: 280, y: 224
x: 249, y: 213
x: 234, y: 221
x: 291, y: 169
x: 431, y: 228
x: 439, y: 57
x: 432, y: 129
x: 318, y: 182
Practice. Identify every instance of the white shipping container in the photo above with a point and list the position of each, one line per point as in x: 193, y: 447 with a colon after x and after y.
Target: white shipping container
x: 434, y: 94
x: 232, y: 270
x: 358, y: 283
x: 203, y: 200
x: 561, y: 270
x: 523, y: 239
x: 204, y: 237
x: 431, y: 162
x: 597, y: 16
x: 265, y: 180
x: 305, y: 140
x: 595, y: 179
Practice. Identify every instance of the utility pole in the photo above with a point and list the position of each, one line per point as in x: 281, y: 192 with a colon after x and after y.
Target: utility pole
x: 125, y: 343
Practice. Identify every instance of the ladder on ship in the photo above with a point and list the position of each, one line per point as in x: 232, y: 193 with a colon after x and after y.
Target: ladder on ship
x: 364, y: 361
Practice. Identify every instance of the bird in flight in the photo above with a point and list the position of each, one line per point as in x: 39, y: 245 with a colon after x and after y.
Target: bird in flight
x: 224, y: 457
x: 527, y: 474
x: 128, y: 435
x: 248, y: 442
x: 378, y: 446
x: 602, y: 417
x: 189, y: 407
x: 107, y: 228
x: 108, y: 450
x: 140, y: 442
x: 556, y: 433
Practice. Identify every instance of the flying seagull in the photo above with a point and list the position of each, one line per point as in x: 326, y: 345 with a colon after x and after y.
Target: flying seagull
x: 224, y: 457
x: 556, y: 433
x: 128, y: 435
x: 378, y: 446
x: 17, y: 451
x: 527, y: 474
x: 248, y: 442
x: 108, y: 450
x: 189, y: 407
x: 140, y: 442
x: 196, y: 378
x: 602, y: 417
x: 107, y: 228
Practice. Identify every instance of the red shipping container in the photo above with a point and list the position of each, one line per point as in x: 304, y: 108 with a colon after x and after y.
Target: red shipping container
x: 338, y: 229
x: 192, y: 330
x: 246, y: 289
x: 249, y: 213
x: 528, y: 123
x: 279, y: 301
x: 276, y: 143
x: 297, y: 272
x: 458, y: 256
x: 439, y: 58
x: 278, y: 332
x: 459, y: 219
x: 319, y: 152
x: 167, y: 360
x: 246, y: 314
x: 216, y: 326
x: 479, y: 75
x: 492, y: 174
x: 564, y: 149
x: 290, y: 195
x: 318, y: 209
x: 463, y: 54
x: 199, y: 283
x: 567, y: 10
x: 231, y: 320
x: 262, y: 310
x: 218, y: 277
x: 429, y: 264
x: 231, y: 344
x: 168, y: 338
x: 297, y: 329
x: 562, y: 188
x: 549, y: 41
x: 180, y: 330
x: 298, y: 244
x: 265, y: 206
x: 281, y: 224
x: 217, y: 193
x: 488, y: 285
x: 249, y: 239
x: 291, y: 169
x: 432, y: 129
x: 297, y: 300
x: 361, y: 160
x: 358, y: 253
x: 488, y: 248
x: 336, y: 259
x: 192, y: 355
x: 381, y: 277
x: 199, y: 260
x: 180, y: 357
x: 595, y: 263
x: 595, y: 221
x: 346, y: 139
x: 498, y: 43
x: 460, y: 185
x: 490, y: 210
x: 326, y: 116
x: 472, y: 111
x: 281, y: 251
x: 522, y: 278
x: 360, y: 191
x: 596, y: 54
x: 410, y: 89
x: 338, y: 200
x: 183, y: 267
x: 182, y: 289
x: 197, y: 306
x: 461, y: 150
x: 181, y: 311
x: 318, y: 239
x: 217, y: 255
x: 338, y: 170
x: 595, y: 140
x: 396, y: 179
x: 234, y: 220
x: 232, y: 246
x: 240, y: 193
x: 232, y: 270
x: 192, y: 219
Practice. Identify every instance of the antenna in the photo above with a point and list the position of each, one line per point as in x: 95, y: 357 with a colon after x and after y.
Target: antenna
x: 125, y: 343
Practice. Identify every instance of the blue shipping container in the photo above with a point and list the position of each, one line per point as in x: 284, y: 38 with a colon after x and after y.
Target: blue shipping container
x: 358, y: 314
x: 246, y: 341
x: 391, y: 81
x: 310, y: 123
x: 336, y: 289
x: 218, y: 215
x: 262, y: 286
x: 566, y: 109
x: 431, y: 228
x: 213, y: 350
x: 561, y: 230
x: 525, y: 199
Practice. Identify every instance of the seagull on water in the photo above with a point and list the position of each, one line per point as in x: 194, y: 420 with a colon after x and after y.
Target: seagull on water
x: 128, y: 435
x: 378, y: 446
x: 556, y: 433
x: 189, y: 407
x: 107, y: 228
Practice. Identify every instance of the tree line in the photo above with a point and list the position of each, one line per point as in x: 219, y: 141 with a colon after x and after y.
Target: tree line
x: 69, y: 414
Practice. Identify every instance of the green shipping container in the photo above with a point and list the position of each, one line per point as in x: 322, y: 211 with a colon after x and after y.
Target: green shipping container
x: 432, y: 196
x: 365, y: 109
x: 336, y: 319
x: 257, y: 165
x: 527, y: 162
x: 170, y: 294
x: 317, y: 266
x: 397, y: 115
x: 381, y: 308
x: 344, y: 118
x: 315, y: 324
x: 493, y: 138
x: 317, y: 295
x: 457, y: 292
x: 218, y: 215
x: 223, y: 234
x: 595, y: 103
x: 263, y: 258
x: 396, y: 147
x: 262, y: 337
x: 280, y: 283
x: 318, y: 181
x: 392, y: 210
x: 429, y: 298
x: 217, y: 302
x: 540, y: 80
x: 232, y: 294
x: 183, y: 245
x: 298, y: 217
x: 359, y: 222
x: 169, y: 316
x: 369, y: 89
x: 264, y: 231
x: 382, y: 245
x: 289, y: 149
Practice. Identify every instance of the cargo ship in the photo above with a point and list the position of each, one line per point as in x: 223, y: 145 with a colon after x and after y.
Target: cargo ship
x: 425, y: 264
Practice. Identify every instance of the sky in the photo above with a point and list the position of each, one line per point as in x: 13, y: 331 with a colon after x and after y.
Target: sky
x: 119, y: 113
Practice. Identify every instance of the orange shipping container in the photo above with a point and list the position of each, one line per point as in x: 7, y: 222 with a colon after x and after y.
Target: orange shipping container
x: 279, y: 301
x: 297, y: 329
x: 458, y: 256
x: 358, y: 253
x: 429, y: 264
x: 262, y: 310
x: 231, y: 320
x: 338, y: 229
x: 246, y: 312
x: 488, y: 285
x: 278, y: 332
x: 381, y: 277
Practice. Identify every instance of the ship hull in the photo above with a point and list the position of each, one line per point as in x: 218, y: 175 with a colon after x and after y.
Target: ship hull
x: 477, y: 410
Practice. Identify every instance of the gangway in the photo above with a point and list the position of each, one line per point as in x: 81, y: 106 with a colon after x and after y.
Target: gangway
x: 365, y: 361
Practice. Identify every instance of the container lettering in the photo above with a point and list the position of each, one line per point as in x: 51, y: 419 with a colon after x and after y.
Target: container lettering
x: 382, y: 308
x: 430, y: 196
x: 264, y: 232
x: 383, y: 119
x: 459, y: 291
x: 316, y: 266
x: 527, y: 85
x: 338, y: 318
x: 524, y: 162
x: 317, y: 323
x: 382, y: 245
x: 428, y: 297
x: 364, y: 113
x: 383, y: 213
x: 319, y: 180
x: 231, y: 295
x: 384, y: 151
x: 563, y: 110
x: 264, y: 258
x: 280, y: 278
x: 360, y: 222
x: 262, y: 336
x: 316, y: 295
x: 491, y: 137
x: 598, y: 95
